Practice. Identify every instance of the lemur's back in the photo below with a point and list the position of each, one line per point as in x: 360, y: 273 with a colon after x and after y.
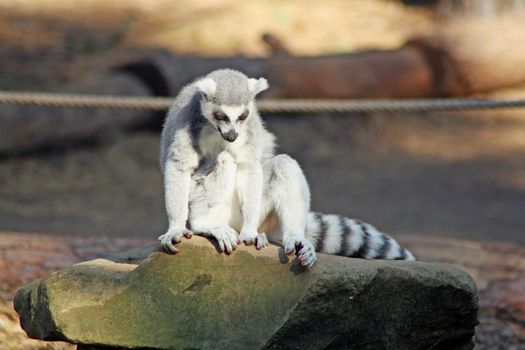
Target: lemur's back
x: 185, y: 106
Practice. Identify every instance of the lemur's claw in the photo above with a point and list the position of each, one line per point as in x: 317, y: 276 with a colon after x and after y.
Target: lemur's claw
x: 173, y: 236
x: 249, y: 237
x: 226, y: 238
x: 290, y: 244
x: 306, y: 256
x: 303, y: 248
x: 261, y: 241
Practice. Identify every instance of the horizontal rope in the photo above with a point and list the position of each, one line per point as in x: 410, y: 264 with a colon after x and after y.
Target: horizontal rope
x: 265, y: 105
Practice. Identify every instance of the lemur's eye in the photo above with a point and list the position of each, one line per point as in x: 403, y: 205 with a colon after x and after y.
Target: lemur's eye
x: 220, y: 116
x: 244, y: 115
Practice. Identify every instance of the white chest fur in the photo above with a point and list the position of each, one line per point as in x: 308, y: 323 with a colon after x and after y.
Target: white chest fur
x: 210, y: 142
x: 214, y: 197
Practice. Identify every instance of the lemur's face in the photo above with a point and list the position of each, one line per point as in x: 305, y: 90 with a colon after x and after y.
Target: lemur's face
x: 228, y: 120
x: 227, y: 100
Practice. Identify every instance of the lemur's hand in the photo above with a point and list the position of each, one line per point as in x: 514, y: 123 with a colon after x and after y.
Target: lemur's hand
x: 174, y: 235
x: 226, y: 238
x: 302, y: 247
x: 249, y: 237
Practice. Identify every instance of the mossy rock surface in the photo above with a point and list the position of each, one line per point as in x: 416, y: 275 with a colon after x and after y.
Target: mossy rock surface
x: 200, y: 299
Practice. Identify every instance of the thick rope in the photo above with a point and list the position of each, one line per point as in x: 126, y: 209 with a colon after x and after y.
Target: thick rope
x: 265, y: 105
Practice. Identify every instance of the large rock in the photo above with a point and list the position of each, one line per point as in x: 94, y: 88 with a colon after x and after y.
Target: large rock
x: 199, y: 299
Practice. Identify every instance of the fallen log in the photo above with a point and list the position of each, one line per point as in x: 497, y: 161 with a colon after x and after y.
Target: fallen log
x: 467, y: 57
x: 453, y: 62
x: 401, y: 73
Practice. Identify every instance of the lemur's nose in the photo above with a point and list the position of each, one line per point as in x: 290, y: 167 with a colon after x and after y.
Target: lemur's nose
x: 230, y: 136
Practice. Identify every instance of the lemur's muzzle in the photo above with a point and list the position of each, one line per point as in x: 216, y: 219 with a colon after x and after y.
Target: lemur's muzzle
x: 230, y: 136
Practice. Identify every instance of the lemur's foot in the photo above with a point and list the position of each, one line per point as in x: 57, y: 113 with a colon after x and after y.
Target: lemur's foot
x: 168, y: 240
x: 249, y: 237
x: 226, y: 237
x: 306, y: 255
x: 261, y: 241
x: 302, y: 247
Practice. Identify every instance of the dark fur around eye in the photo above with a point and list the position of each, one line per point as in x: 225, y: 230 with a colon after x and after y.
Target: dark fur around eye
x: 220, y: 116
x: 243, y: 116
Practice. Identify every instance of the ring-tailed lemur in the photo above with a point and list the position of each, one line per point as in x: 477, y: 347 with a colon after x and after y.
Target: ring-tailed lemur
x: 221, y: 177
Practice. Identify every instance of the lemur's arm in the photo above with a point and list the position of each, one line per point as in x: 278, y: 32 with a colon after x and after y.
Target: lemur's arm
x: 250, y: 191
x: 177, y: 189
x: 179, y: 164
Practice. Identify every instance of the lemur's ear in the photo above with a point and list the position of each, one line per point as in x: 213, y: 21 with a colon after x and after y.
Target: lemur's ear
x: 257, y: 85
x: 207, y: 86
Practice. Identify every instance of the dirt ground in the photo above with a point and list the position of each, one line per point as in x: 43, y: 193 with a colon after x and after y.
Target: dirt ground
x: 438, y: 175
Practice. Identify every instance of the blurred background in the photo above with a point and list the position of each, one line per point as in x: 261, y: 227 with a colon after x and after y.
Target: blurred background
x: 79, y: 183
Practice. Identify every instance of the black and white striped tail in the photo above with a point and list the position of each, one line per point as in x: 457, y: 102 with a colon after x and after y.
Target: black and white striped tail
x: 337, y: 235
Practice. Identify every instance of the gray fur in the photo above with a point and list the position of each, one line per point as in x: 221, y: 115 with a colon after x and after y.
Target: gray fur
x: 232, y: 87
x: 223, y: 180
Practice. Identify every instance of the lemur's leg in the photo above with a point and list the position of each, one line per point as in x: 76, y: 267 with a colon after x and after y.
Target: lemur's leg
x: 210, y: 201
x: 286, y: 193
